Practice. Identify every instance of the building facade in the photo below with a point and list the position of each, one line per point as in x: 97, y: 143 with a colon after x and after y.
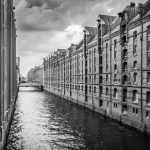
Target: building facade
x: 109, y: 70
x: 18, y: 69
x: 8, y: 83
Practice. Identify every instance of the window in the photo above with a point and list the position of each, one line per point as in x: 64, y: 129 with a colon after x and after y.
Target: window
x: 135, y: 64
x: 124, y: 79
x: 106, y: 56
x: 135, y: 111
x: 101, y: 79
x: 90, y: 78
x: 134, y: 42
x: 124, y: 95
x: 135, y: 96
x: 135, y: 77
x: 107, y: 78
x: 115, y: 105
x: 148, y: 45
x: 101, y: 69
x: 115, y: 93
x: 94, y: 77
x: 115, y: 78
x: 94, y: 89
x: 115, y: 48
x: 106, y: 67
x: 148, y: 97
x: 124, y: 66
x: 115, y: 67
x: 101, y: 91
x: 148, y: 77
x: 82, y: 87
x: 147, y: 114
x: 94, y: 59
x: 107, y: 92
x: 90, y: 61
x: 100, y: 103
x: 101, y: 60
x: 90, y: 89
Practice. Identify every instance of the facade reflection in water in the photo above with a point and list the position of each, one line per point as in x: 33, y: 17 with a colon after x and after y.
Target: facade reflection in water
x: 43, y: 122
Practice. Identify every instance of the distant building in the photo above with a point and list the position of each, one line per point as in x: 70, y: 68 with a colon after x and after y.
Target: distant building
x: 8, y: 89
x: 109, y: 70
x: 36, y: 75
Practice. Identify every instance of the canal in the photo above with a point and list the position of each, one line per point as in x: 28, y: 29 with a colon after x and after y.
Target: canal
x: 43, y: 121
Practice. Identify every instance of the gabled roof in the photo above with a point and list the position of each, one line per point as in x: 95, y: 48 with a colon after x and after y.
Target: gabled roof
x: 146, y: 6
x: 91, y: 30
x: 80, y: 44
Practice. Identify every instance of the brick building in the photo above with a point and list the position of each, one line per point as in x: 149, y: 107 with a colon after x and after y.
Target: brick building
x: 8, y: 88
x: 109, y: 70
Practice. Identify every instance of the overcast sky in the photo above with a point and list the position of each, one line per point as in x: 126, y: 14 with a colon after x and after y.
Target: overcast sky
x: 46, y: 25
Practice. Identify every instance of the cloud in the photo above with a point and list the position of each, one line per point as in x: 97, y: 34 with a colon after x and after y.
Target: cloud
x: 46, y: 25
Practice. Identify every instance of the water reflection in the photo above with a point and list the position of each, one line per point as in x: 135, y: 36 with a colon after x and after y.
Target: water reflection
x: 43, y: 122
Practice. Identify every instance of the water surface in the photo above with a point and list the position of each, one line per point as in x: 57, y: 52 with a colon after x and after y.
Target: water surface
x: 43, y: 121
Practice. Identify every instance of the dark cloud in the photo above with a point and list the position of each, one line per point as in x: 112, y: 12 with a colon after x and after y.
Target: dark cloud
x: 34, y: 3
x: 49, y: 4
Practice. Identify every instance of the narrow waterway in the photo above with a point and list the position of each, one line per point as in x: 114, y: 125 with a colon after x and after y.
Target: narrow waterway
x: 43, y: 121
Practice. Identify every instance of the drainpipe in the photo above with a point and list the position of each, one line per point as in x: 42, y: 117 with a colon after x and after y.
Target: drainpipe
x: 77, y: 75
x: 85, y: 55
x: 141, y: 38
x: 99, y: 42
x: 110, y: 38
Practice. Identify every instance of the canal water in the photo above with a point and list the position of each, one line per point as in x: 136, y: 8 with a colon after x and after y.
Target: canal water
x: 43, y: 121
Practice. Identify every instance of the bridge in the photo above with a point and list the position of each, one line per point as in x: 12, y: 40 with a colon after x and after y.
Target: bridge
x: 31, y: 84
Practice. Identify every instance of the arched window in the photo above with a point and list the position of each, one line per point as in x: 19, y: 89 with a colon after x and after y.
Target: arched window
x: 101, y: 79
x: 115, y: 78
x: 135, y: 64
x: 134, y: 42
x: 125, y: 79
x: 124, y: 54
x: 148, y: 77
x: 101, y: 91
x: 107, y: 92
x: 115, y: 48
x: 124, y: 95
x: 115, y: 93
x: 106, y: 77
x: 101, y: 70
x: 115, y: 67
x: 124, y: 66
x: 135, y: 77
x: 148, y: 97
x: 135, y: 96
x: 90, y: 89
x: 94, y: 89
